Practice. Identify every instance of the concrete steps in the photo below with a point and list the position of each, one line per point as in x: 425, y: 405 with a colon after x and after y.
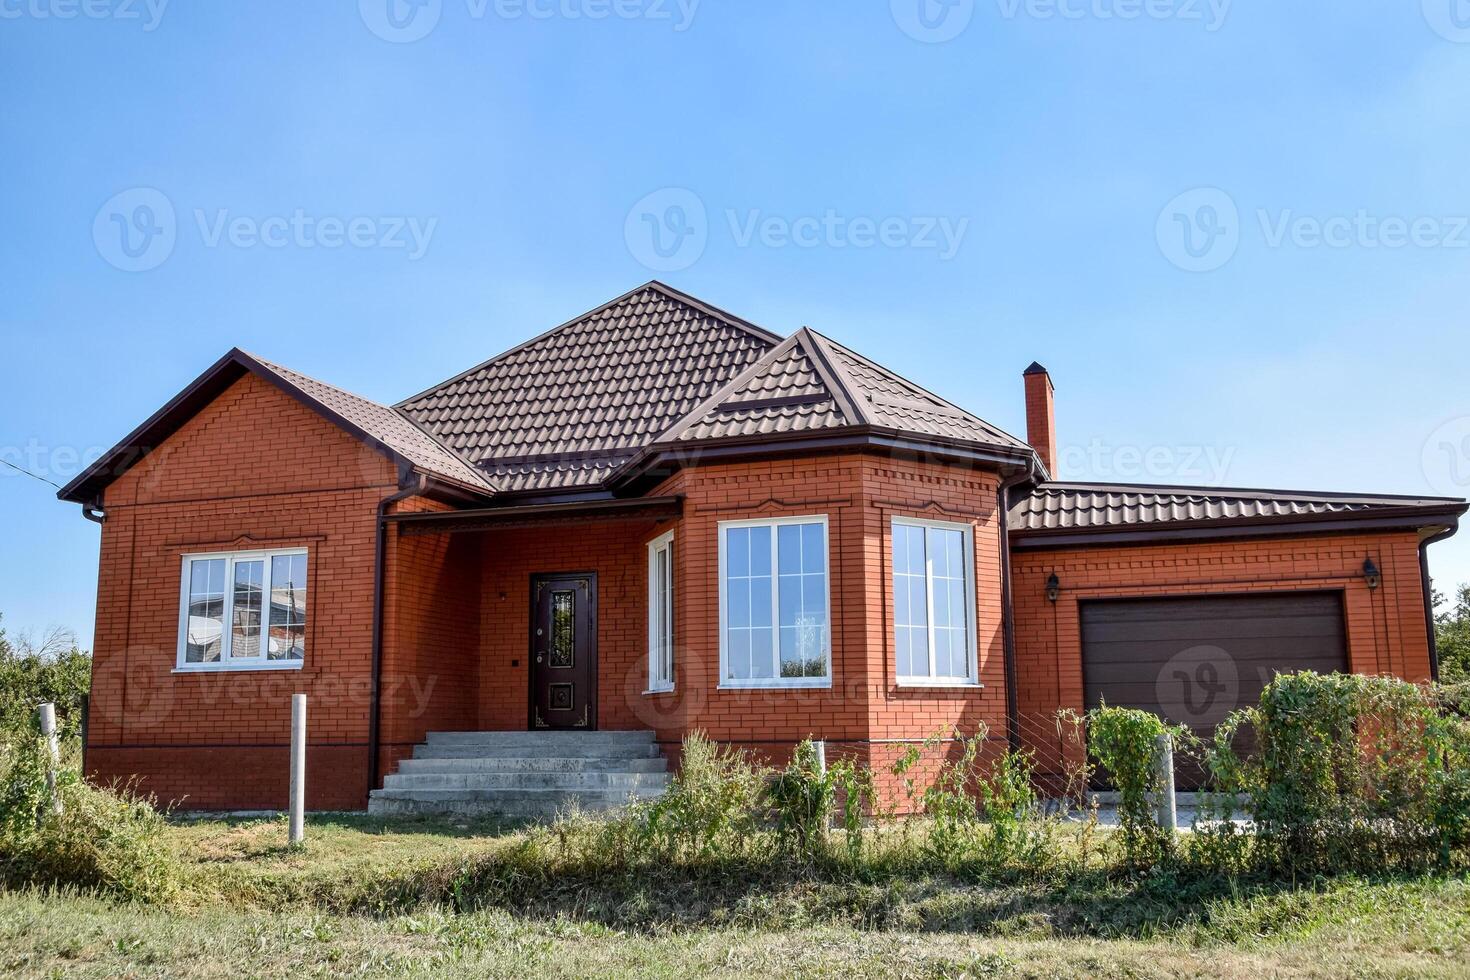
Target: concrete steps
x: 529, y: 775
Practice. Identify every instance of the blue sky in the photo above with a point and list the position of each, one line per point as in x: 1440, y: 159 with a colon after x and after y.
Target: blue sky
x: 1235, y: 232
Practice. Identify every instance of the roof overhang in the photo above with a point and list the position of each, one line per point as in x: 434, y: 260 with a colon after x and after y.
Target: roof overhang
x: 87, y: 487
x: 659, y: 462
x: 1432, y: 520
x: 599, y: 511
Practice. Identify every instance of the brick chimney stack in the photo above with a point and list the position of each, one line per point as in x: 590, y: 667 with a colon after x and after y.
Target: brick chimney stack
x: 1041, y: 423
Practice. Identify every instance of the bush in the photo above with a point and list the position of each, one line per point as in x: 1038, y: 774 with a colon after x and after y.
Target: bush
x: 806, y: 797
x: 710, y: 806
x: 54, y: 670
x: 1124, y: 741
x: 109, y: 842
x: 1350, y: 773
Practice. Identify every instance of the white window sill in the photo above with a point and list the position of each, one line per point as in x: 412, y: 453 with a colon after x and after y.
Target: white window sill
x: 791, y: 683
x: 931, y: 682
x: 659, y: 690
x: 238, y: 668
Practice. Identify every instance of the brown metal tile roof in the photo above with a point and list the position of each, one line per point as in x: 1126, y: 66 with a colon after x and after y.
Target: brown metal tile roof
x: 1057, y: 508
x: 607, y: 381
x: 893, y: 402
x: 383, y: 424
x: 811, y: 383
x: 393, y: 434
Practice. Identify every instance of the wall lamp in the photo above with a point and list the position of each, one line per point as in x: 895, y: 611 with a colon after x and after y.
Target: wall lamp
x: 1371, y: 576
x: 1053, y: 588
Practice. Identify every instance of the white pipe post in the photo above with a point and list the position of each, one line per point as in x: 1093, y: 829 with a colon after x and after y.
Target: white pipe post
x: 821, y: 748
x: 1168, y: 814
x: 53, y: 753
x: 298, y: 769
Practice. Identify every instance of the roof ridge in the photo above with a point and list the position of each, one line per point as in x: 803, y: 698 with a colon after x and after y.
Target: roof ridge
x: 918, y: 387
x: 653, y: 284
x: 718, y: 397
x: 844, y: 392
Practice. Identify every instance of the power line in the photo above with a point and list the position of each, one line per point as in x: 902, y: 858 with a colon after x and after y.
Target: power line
x: 33, y: 476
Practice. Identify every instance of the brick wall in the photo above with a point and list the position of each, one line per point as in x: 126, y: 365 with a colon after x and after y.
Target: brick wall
x: 1385, y: 628
x: 433, y: 594
x: 254, y: 469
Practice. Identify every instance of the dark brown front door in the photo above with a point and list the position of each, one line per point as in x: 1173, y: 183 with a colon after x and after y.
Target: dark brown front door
x: 564, y: 651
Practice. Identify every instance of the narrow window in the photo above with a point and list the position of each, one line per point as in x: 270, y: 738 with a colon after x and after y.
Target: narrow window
x: 661, y: 613
x: 774, y: 603
x: 242, y: 611
x: 933, y: 602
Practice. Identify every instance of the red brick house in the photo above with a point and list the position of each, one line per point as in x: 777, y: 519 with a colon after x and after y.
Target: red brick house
x: 661, y: 517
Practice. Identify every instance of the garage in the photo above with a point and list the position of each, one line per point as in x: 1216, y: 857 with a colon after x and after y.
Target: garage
x: 1195, y: 660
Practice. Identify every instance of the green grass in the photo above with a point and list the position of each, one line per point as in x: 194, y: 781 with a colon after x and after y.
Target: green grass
x: 369, y: 897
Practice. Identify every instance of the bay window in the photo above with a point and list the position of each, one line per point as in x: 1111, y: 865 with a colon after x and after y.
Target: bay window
x: 243, y: 610
x: 774, y: 605
x: 934, y: 602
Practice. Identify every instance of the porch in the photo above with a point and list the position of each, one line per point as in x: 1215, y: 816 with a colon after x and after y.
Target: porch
x: 520, y: 621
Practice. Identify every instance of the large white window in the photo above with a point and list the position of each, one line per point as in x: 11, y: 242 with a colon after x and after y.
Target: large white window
x: 243, y: 611
x: 661, y: 613
x: 934, y: 602
x: 774, y: 609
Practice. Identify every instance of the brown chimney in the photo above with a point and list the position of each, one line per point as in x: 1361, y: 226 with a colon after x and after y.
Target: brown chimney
x: 1041, y: 422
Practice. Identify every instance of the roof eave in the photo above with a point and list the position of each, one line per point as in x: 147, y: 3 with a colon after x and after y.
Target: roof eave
x: 87, y: 487
x: 679, y: 455
x: 1406, y: 518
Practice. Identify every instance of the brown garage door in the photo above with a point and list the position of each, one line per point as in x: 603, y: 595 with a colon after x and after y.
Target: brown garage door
x: 1195, y: 660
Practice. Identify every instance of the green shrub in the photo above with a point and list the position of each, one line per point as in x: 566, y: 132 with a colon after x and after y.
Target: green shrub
x: 1019, y: 832
x: 805, y: 799
x: 110, y: 842
x: 1124, y: 741
x: 57, y: 672
x: 1349, y: 773
x: 710, y: 806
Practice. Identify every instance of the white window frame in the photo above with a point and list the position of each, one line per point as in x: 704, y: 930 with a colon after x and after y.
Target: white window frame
x: 967, y: 535
x: 748, y: 683
x: 660, y: 602
x: 225, y: 662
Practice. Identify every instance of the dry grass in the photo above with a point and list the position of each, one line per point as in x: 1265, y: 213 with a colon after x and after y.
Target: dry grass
x: 257, y: 907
